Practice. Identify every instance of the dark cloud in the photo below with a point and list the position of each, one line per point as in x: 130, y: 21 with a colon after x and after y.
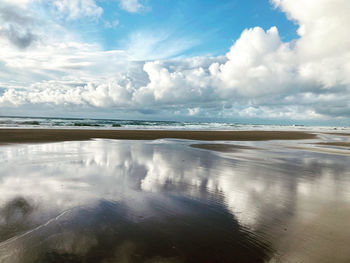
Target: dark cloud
x: 333, y: 109
x: 19, y: 39
x: 17, y: 27
x: 15, y: 15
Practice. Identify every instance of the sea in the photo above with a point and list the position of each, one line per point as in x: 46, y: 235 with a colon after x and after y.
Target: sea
x: 83, y: 123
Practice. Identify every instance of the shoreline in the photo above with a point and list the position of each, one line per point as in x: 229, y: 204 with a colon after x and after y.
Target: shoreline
x: 9, y: 136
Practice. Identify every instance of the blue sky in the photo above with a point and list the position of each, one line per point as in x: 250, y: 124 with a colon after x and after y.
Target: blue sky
x: 277, y: 61
x: 200, y: 22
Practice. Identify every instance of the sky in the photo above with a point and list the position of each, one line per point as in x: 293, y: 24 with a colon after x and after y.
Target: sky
x: 277, y: 61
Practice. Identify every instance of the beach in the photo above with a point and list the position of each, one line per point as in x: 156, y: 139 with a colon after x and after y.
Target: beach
x: 138, y: 131
x: 56, y: 135
x: 79, y: 195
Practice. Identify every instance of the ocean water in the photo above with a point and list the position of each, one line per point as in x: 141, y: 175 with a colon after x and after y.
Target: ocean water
x: 69, y: 123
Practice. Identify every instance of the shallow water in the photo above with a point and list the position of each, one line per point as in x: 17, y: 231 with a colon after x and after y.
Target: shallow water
x: 164, y: 201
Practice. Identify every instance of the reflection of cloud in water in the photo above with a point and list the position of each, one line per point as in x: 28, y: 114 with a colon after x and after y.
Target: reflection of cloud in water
x: 262, y: 197
x: 172, y: 228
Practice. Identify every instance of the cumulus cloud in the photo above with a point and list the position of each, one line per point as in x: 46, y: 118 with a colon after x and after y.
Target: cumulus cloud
x: 260, y: 76
x: 258, y: 64
x: 167, y: 87
x: 323, y: 48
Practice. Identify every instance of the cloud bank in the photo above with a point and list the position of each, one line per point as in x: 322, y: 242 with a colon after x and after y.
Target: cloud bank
x: 259, y: 77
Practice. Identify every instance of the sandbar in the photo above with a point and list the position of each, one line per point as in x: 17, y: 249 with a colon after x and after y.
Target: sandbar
x: 58, y: 135
x: 340, y: 144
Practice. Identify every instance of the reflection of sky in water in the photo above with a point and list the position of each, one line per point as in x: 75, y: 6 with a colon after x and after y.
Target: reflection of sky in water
x: 250, y: 202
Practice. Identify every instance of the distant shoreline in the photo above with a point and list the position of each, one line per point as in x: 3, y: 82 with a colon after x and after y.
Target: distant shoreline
x: 59, y: 135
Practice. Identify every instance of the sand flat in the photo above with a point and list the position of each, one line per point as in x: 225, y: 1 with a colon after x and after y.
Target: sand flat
x: 56, y: 135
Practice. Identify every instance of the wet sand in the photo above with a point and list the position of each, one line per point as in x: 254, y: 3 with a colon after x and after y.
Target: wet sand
x: 134, y: 201
x: 340, y: 144
x: 339, y: 133
x: 173, y: 201
x: 219, y: 147
x: 57, y: 135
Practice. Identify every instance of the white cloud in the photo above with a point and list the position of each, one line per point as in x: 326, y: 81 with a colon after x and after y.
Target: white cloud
x: 132, y: 6
x: 75, y: 9
x: 166, y: 87
x: 260, y: 77
x: 324, y: 47
x: 258, y: 64
x: 72, y: 9
x: 57, y: 61
x: 154, y: 44
x: 20, y: 3
x: 111, y: 24
x: 193, y: 111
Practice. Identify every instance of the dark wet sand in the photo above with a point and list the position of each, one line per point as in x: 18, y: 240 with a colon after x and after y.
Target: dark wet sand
x: 341, y: 144
x: 57, y: 135
x: 338, y: 133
